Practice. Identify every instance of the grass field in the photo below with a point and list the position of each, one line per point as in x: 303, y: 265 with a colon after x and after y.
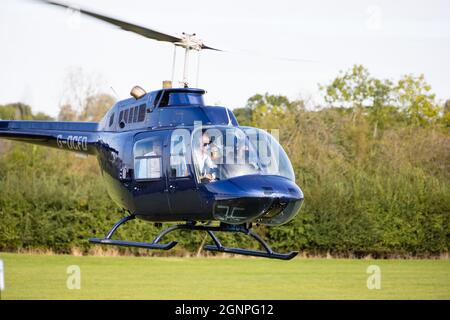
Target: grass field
x: 44, y: 277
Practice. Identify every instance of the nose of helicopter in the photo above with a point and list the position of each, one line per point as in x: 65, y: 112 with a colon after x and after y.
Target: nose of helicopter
x: 269, y: 200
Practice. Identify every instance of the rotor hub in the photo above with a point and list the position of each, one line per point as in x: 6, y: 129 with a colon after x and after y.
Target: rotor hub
x: 190, y: 42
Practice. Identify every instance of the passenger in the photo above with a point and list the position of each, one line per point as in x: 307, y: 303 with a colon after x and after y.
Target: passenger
x: 205, y: 165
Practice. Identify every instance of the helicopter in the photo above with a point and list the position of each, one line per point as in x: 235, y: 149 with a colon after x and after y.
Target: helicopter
x: 166, y: 156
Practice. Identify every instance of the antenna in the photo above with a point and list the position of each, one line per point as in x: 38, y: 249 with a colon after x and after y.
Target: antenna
x: 173, y: 63
x: 198, y: 69
x: 114, y: 91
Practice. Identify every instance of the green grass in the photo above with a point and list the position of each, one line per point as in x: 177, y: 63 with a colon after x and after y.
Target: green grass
x: 44, y: 277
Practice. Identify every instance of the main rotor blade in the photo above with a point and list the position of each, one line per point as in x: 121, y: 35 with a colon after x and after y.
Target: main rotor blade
x: 209, y: 48
x: 255, y: 54
x: 145, y: 32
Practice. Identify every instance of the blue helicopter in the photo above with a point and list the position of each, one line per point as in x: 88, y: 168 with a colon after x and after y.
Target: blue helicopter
x: 165, y: 156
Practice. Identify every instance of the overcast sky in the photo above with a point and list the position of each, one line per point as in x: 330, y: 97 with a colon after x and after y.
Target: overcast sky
x: 40, y: 44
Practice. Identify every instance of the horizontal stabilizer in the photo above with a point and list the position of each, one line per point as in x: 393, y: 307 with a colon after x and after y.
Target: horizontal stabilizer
x: 47, y: 125
x: 71, y: 136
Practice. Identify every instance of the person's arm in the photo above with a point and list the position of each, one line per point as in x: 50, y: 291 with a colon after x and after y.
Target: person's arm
x: 210, y: 166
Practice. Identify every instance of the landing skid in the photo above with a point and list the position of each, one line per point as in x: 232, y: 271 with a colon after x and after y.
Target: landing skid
x: 217, y: 246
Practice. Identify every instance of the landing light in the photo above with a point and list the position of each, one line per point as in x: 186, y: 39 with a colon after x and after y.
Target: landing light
x: 167, y: 84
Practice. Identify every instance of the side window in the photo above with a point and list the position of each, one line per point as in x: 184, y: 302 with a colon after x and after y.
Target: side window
x: 147, y: 159
x: 135, y: 112
x: 164, y: 100
x: 141, y: 113
x: 130, y: 115
x: 152, y: 100
x: 111, y: 120
x: 155, y: 102
x: 178, y: 157
x: 120, y: 116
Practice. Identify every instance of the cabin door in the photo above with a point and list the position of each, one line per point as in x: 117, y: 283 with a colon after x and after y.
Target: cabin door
x: 150, y: 180
x: 183, y: 193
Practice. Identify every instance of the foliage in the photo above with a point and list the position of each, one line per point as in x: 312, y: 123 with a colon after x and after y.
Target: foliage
x: 356, y: 89
x: 83, y: 99
x: 352, y: 88
x: 381, y: 194
x: 416, y: 99
x: 94, y: 109
x: 16, y: 111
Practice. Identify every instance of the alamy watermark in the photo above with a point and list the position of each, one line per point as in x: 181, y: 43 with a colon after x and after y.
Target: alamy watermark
x: 374, y: 280
x: 73, y: 17
x: 73, y: 281
x: 374, y: 20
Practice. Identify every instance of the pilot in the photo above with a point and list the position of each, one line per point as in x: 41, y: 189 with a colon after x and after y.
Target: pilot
x: 204, y: 162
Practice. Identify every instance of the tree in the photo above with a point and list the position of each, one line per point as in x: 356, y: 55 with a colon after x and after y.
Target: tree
x: 349, y: 89
x: 447, y: 106
x: 261, y: 106
x: 269, y: 102
x: 21, y: 111
x: 381, y: 95
x: 357, y: 89
x: 42, y: 116
x: 7, y: 112
x: 67, y: 113
x: 82, y: 99
x: 78, y: 86
x: 96, y: 106
x: 243, y: 116
x: 446, y: 116
x: 16, y: 111
x: 415, y: 98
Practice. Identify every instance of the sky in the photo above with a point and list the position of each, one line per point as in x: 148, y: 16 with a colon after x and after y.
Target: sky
x: 40, y: 45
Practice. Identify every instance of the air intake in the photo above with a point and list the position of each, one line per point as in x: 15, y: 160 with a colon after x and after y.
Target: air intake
x: 137, y: 92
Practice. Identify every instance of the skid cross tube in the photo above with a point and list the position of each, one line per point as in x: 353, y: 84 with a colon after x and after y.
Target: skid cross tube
x: 145, y: 245
x: 117, y: 225
x: 217, y: 246
x: 268, y: 253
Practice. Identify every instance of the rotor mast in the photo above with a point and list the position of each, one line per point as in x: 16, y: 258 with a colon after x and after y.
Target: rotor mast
x: 188, y: 42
